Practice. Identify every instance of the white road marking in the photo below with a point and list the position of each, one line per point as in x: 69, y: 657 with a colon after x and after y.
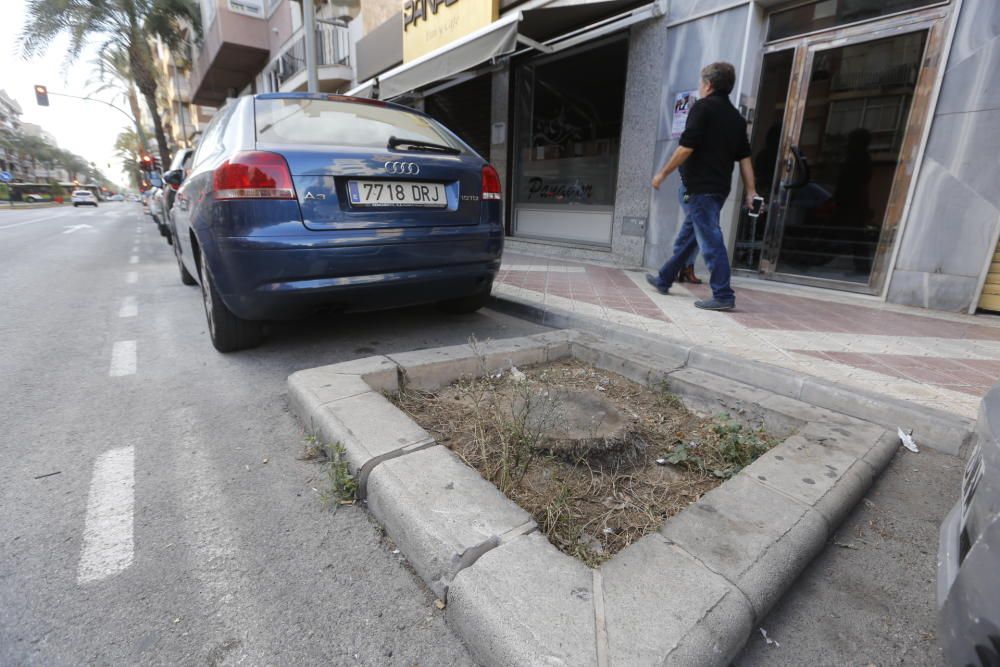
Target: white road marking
x: 75, y: 228
x: 123, y: 358
x: 108, y: 542
x: 132, y: 277
x: 30, y: 222
x: 134, y: 259
x: 130, y: 307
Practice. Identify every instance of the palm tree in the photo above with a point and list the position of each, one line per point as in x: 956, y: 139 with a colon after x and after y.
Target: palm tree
x: 114, y: 73
x: 129, y: 149
x: 123, y: 24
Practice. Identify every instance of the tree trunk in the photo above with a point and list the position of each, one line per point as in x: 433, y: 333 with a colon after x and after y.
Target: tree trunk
x: 133, y: 105
x: 140, y: 60
x: 161, y: 137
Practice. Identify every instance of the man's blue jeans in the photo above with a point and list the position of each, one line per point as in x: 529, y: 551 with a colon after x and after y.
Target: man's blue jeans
x: 701, y: 230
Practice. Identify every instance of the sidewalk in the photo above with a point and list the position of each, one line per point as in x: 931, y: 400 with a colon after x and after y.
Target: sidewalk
x: 936, y: 359
x: 21, y: 206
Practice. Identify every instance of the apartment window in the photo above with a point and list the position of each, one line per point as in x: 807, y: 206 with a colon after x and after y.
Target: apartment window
x: 260, y: 8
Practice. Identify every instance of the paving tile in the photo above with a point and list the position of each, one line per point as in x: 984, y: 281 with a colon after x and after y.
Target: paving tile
x: 928, y: 358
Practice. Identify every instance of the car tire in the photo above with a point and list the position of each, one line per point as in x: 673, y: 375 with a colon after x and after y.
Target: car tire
x: 467, y: 304
x: 228, y: 332
x: 75, y: 204
x: 186, y: 276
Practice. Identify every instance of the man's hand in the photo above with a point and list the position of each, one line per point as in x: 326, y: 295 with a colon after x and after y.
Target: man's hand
x: 751, y: 194
x: 681, y: 154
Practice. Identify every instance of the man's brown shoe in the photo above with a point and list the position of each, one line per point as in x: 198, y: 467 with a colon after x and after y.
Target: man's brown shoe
x: 687, y: 276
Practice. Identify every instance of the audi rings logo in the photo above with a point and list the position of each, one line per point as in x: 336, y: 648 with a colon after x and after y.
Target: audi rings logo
x: 402, y: 168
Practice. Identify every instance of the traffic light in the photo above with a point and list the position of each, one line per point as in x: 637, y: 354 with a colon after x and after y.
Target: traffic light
x: 42, y: 96
x: 147, y: 162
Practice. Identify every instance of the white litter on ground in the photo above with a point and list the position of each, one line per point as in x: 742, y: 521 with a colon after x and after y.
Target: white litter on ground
x: 763, y: 633
x: 907, y: 440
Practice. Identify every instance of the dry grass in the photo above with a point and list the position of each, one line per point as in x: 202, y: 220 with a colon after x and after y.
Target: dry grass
x: 590, y: 507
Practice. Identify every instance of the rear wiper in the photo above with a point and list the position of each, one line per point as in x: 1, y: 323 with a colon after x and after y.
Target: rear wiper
x: 420, y: 144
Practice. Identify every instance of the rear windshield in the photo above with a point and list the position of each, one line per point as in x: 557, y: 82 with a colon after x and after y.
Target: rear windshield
x: 81, y: 193
x: 328, y: 122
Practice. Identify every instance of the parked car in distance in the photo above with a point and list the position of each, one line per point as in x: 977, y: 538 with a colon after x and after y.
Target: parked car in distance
x: 134, y: 197
x: 118, y: 197
x: 83, y: 198
x: 168, y: 193
x: 298, y: 202
x: 158, y: 211
x: 968, y: 583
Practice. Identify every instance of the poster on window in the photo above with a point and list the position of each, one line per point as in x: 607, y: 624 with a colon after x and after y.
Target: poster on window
x: 682, y: 105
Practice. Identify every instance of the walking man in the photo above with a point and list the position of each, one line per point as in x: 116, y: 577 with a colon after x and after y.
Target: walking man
x: 714, y: 138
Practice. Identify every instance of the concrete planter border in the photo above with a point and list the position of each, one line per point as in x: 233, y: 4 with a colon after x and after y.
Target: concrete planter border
x: 932, y: 427
x: 688, y: 594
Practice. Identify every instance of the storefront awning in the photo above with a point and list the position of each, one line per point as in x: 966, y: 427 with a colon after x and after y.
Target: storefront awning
x: 495, y: 40
x: 521, y: 28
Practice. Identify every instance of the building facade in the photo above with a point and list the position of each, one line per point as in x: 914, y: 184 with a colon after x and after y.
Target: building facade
x: 251, y: 46
x: 872, y: 124
x: 10, y: 125
x: 182, y: 119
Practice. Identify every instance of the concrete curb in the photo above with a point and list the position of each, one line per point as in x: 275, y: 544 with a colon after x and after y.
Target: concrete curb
x: 688, y: 595
x: 932, y: 427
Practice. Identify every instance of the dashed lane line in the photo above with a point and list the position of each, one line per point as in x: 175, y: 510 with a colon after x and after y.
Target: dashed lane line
x: 132, y: 277
x: 108, y: 538
x: 129, y: 308
x: 123, y: 358
x: 134, y: 259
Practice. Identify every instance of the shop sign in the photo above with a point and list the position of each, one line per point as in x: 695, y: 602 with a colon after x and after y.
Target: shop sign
x: 431, y: 24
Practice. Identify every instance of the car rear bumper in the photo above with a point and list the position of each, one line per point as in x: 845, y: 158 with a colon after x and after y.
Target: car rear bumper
x: 261, y: 279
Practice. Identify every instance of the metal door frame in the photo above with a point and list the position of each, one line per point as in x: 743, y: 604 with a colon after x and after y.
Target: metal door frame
x: 934, y: 21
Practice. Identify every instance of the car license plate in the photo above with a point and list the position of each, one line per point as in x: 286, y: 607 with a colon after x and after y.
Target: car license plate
x: 396, y: 193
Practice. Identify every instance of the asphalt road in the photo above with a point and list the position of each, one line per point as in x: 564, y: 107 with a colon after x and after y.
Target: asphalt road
x: 228, y: 555
x: 215, y: 556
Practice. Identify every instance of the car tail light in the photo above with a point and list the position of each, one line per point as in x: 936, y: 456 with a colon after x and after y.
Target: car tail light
x: 491, y: 183
x: 254, y: 175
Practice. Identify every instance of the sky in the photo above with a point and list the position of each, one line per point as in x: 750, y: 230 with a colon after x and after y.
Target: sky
x: 88, y: 129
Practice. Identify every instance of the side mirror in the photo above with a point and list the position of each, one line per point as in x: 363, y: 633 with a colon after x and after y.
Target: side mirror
x: 174, y: 177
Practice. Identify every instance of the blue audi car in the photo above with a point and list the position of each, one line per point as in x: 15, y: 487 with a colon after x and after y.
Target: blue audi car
x: 301, y: 202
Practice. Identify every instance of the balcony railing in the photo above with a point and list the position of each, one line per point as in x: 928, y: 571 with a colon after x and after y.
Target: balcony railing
x: 332, y: 48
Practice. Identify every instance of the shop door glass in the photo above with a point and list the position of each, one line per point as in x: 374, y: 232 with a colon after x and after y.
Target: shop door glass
x: 843, y: 161
x: 764, y: 145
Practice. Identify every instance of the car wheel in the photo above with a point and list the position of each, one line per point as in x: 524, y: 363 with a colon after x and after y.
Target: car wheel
x: 186, y: 276
x: 228, y: 332
x: 467, y: 304
x: 75, y: 204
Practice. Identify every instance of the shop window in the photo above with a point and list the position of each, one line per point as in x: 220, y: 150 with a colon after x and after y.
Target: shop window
x: 825, y: 14
x: 569, y: 122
